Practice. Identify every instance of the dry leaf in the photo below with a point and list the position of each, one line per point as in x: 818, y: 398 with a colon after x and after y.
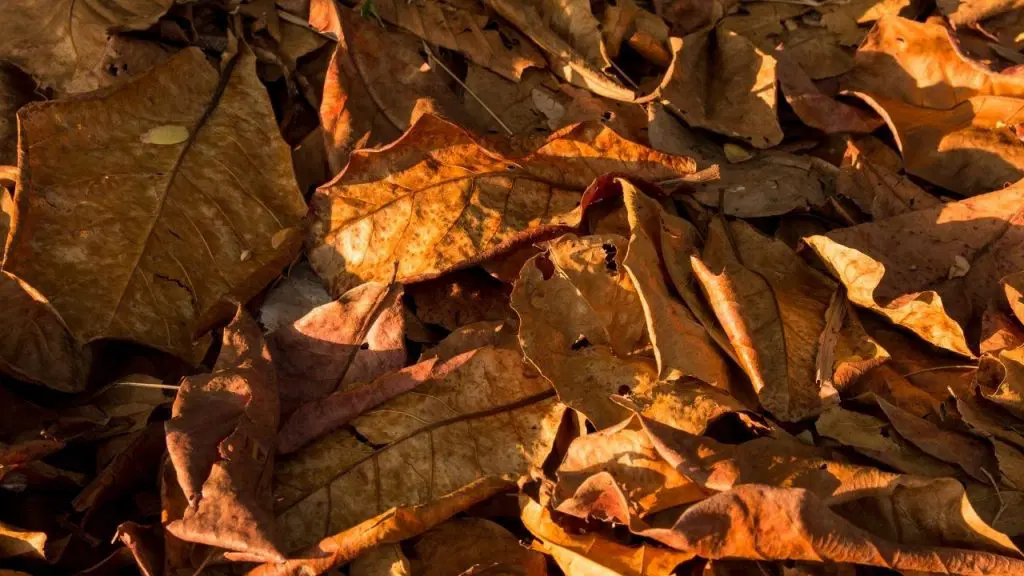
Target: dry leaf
x: 221, y: 439
x: 718, y: 80
x: 900, y: 267
x: 435, y: 200
x: 875, y: 438
x: 462, y: 27
x: 816, y: 109
x: 533, y: 19
x: 526, y: 108
x: 319, y: 416
x: 35, y: 345
x: 292, y: 297
x: 16, y: 542
x: 772, y: 306
x: 770, y: 185
x: 460, y: 298
x: 377, y: 85
x: 474, y: 545
x: 1008, y: 391
x: 338, y: 345
x: 483, y: 414
x: 167, y: 232
x: 66, y: 52
x: 869, y: 176
x: 392, y: 526
x: 580, y: 320
x: 15, y: 92
x: 682, y: 347
x: 761, y: 522
x: 594, y: 554
x: 625, y: 452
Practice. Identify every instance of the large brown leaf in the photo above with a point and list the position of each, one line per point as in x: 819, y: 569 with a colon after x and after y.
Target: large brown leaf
x: 718, y: 80
x: 772, y: 306
x: 580, y: 321
x: 463, y: 27
x: 907, y: 268
x: 576, y: 28
x: 474, y: 544
x: 35, y: 345
x: 435, y: 200
x: 144, y: 211
x: 63, y: 43
x: 221, y: 440
x: 483, y: 414
x: 377, y: 85
x: 15, y: 92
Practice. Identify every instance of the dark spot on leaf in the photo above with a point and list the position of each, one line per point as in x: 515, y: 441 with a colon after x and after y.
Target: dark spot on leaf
x: 609, y: 258
x: 547, y: 269
x: 607, y: 116
x: 580, y: 343
x: 624, y: 390
x: 364, y: 346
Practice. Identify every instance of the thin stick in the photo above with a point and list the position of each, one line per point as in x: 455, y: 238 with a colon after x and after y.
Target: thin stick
x: 1002, y: 503
x: 430, y: 54
x: 623, y: 74
x: 147, y: 385
x: 940, y: 368
x: 293, y: 19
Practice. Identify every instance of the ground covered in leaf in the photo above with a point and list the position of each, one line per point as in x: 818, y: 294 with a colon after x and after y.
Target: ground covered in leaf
x: 541, y: 287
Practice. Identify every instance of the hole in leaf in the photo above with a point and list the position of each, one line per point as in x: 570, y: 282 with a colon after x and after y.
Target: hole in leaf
x: 609, y: 258
x: 580, y: 343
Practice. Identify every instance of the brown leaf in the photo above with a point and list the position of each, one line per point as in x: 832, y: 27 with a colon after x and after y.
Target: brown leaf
x: 145, y: 546
x: 16, y: 90
x: 292, y: 297
x: 436, y: 200
x: 816, y: 109
x: 625, y: 452
x: 471, y: 545
x: 901, y: 267
x: 460, y: 298
x: 921, y: 64
x: 317, y: 417
x: 339, y: 345
x: 761, y: 522
x: 1009, y: 388
x: 876, y: 439
x: 377, y: 85
x: 682, y: 347
x: 869, y: 176
x: 65, y: 52
x: 463, y: 27
x: 580, y: 320
x: 1013, y: 288
x: 718, y: 80
x: 193, y: 219
x: 526, y: 108
x: 772, y: 306
x: 966, y: 12
x: 483, y: 414
x: 970, y: 454
x: 15, y: 542
x: 686, y: 404
x: 574, y: 27
x: 221, y: 439
x: 770, y: 185
x: 595, y: 554
x: 35, y: 345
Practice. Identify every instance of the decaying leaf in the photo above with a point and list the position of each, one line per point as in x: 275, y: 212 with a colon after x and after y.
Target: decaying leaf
x: 483, y: 414
x: 870, y: 177
x: 720, y: 81
x: 35, y: 345
x: 563, y: 57
x: 474, y: 544
x: 377, y: 85
x: 292, y: 297
x: 816, y: 109
x: 580, y: 321
x: 221, y: 440
x: 770, y: 185
x: 167, y: 233
x: 16, y: 542
x: 66, y: 50
x: 772, y: 306
x: 340, y: 344
x: 435, y: 200
x: 461, y: 26
x: 682, y: 347
x: 900, y: 267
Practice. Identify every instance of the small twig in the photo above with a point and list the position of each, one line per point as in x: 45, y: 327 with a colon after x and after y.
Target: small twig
x: 999, y: 495
x: 624, y: 75
x: 709, y: 174
x: 147, y: 385
x: 940, y: 368
x: 293, y: 19
x: 827, y: 340
x: 430, y: 54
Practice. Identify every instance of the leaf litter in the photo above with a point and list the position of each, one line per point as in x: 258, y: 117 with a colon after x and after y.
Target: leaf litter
x: 582, y: 287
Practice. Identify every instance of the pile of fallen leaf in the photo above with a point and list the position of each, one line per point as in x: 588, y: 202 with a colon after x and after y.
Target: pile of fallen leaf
x: 440, y: 287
